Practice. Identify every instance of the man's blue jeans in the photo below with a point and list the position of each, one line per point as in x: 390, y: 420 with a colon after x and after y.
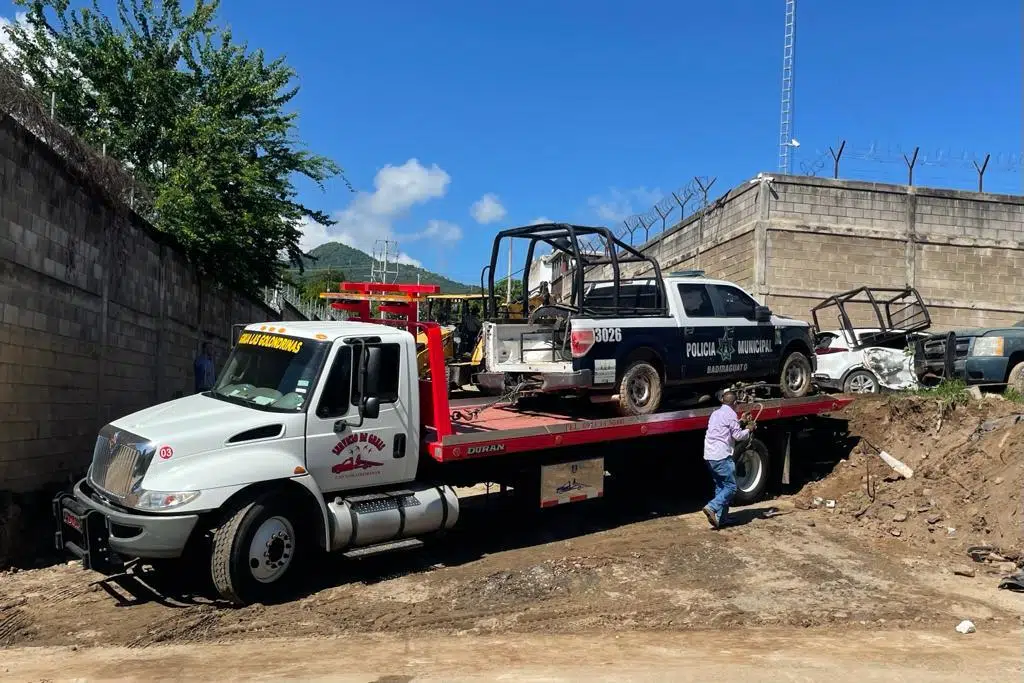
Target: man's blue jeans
x: 723, y: 472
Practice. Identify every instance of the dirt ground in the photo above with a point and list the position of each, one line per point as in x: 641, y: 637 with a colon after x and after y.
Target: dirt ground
x: 863, y: 573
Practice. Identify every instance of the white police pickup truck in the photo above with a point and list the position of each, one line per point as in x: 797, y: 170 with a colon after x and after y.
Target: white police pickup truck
x: 636, y: 339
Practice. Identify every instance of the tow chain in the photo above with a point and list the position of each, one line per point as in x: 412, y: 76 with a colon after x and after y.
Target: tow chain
x: 470, y: 414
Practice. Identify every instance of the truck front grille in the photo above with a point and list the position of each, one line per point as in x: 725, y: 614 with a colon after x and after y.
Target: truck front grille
x: 935, y: 349
x: 119, y: 462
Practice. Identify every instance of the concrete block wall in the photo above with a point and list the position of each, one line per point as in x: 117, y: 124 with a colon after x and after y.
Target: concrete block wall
x: 721, y: 243
x: 963, y: 251
x: 100, y: 315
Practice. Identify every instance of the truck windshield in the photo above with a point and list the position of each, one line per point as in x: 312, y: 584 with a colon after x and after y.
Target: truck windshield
x: 271, y: 371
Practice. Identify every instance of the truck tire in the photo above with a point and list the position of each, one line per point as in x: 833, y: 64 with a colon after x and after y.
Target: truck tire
x: 753, y: 468
x: 256, y: 549
x: 795, y: 375
x: 861, y: 382
x: 1015, y: 380
x: 639, y: 389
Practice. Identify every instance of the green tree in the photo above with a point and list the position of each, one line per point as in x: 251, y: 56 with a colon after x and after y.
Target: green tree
x: 323, y: 281
x: 501, y: 289
x: 202, y: 121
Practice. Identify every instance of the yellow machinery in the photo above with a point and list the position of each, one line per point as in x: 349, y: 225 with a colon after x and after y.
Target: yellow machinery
x: 458, y: 315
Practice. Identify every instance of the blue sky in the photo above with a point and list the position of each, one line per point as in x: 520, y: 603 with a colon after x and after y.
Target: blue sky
x: 591, y: 111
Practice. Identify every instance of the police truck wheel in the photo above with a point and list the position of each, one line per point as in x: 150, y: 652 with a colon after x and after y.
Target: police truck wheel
x: 639, y: 389
x: 752, y: 469
x: 795, y: 377
x: 255, y: 551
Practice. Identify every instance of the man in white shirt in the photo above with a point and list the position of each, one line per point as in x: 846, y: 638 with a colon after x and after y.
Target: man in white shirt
x: 724, y: 430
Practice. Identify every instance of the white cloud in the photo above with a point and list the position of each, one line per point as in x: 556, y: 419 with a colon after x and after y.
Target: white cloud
x: 442, y: 230
x: 408, y: 260
x: 541, y: 219
x: 487, y: 209
x: 7, y: 47
x: 371, y: 216
x: 617, y: 204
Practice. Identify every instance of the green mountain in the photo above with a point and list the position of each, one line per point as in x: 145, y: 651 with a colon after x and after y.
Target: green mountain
x: 356, y: 265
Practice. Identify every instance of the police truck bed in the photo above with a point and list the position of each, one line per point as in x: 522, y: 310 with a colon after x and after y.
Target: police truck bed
x: 501, y: 429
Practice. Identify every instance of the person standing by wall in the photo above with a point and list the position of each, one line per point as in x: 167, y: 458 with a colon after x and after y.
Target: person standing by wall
x: 724, y: 430
x: 205, y: 369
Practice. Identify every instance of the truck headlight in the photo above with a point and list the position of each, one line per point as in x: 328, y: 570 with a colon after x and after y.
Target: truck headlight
x: 987, y: 346
x: 160, y: 500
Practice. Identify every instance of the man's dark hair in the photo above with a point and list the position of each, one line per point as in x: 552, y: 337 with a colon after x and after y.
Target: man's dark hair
x: 728, y: 397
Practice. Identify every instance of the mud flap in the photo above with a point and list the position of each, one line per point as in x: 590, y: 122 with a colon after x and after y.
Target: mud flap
x: 788, y: 438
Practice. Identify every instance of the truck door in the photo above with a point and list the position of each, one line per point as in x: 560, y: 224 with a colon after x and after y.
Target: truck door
x: 342, y: 454
x: 755, y: 346
x: 702, y: 334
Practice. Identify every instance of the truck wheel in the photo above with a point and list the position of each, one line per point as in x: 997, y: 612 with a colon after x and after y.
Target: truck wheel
x: 860, y: 382
x: 639, y: 389
x: 1015, y: 380
x: 752, y: 470
x: 255, y: 551
x: 795, y: 377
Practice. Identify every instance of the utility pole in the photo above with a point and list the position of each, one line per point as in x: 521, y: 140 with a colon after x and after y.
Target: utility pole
x: 382, y: 266
x: 508, y: 288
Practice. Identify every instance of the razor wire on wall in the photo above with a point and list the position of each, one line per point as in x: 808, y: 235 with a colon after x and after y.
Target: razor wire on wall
x: 873, y: 162
x: 38, y: 117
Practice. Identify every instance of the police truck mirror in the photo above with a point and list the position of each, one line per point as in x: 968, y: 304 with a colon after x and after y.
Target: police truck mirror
x: 371, y: 408
x: 762, y: 314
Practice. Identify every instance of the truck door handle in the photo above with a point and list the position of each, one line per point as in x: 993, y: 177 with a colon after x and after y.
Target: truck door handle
x: 399, y: 451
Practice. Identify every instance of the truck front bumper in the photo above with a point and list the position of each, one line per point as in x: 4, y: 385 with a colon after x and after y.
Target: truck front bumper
x: 550, y: 381
x: 976, y: 369
x: 103, y: 536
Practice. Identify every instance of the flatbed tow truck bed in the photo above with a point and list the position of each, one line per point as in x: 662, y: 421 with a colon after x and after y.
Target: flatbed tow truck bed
x: 503, y: 429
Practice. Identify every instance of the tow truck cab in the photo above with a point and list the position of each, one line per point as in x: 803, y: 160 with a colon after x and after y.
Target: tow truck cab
x: 302, y: 416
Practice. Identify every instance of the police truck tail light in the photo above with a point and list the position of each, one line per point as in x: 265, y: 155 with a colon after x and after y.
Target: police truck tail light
x: 828, y: 350
x: 581, y: 341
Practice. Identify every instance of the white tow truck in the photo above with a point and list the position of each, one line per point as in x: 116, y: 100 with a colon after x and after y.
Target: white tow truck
x: 321, y: 436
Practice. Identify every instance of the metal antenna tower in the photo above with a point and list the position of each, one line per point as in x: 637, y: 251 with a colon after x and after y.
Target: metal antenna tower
x: 385, y: 262
x: 786, y: 116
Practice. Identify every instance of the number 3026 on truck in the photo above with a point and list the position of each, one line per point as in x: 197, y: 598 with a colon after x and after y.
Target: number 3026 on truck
x: 321, y: 436
x: 634, y: 338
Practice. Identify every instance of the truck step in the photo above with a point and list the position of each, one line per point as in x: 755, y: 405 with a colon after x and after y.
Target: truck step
x: 387, y: 547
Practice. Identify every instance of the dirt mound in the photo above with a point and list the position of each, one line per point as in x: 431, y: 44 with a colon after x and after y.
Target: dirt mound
x: 968, y: 474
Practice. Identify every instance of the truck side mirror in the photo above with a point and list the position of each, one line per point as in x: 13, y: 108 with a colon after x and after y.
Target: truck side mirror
x: 370, y: 408
x: 762, y: 314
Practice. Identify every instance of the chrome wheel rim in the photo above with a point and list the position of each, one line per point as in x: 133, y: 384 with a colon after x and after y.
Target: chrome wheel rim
x: 863, y: 383
x: 639, y: 389
x: 796, y: 376
x: 748, y: 470
x: 272, y: 550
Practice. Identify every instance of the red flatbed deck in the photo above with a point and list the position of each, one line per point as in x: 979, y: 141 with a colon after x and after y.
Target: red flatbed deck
x: 499, y: 430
